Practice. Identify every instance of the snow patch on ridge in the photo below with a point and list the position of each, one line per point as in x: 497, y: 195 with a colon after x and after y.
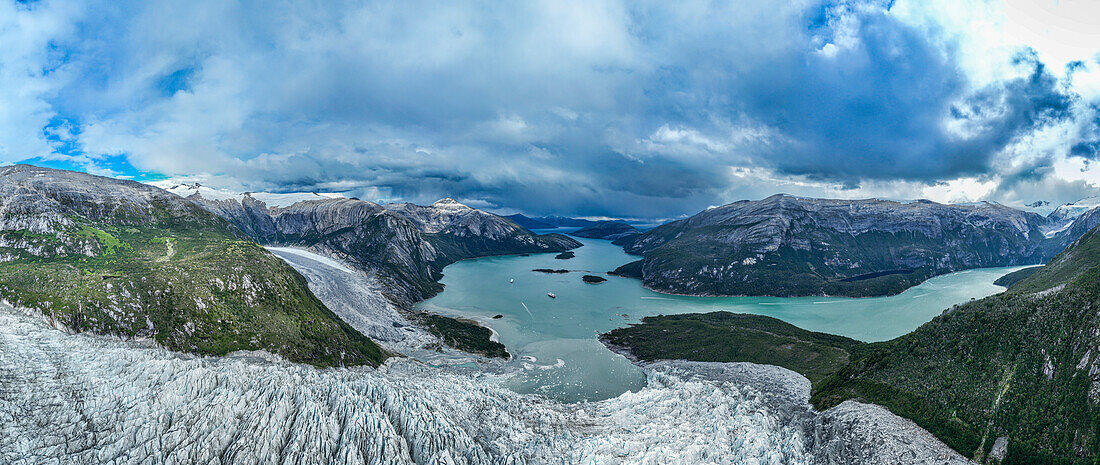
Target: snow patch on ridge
x: 286, y: 200
x: 270, y: 199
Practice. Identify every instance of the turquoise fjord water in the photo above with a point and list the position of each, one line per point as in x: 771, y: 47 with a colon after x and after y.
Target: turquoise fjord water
x: 553, y: 341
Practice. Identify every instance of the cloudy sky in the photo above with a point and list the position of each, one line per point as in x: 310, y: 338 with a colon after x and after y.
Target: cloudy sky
x: 596, y: 108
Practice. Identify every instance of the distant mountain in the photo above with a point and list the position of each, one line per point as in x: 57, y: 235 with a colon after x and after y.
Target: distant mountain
x: 528, y: 222
x: 566, y: 222
x: 1067, y: 216
x: 610, y: 230
x: 128, y: 259
x: 460, y: 232
x: 1039, y: 204
x: 1082, y: 223
x: 550, y: 222
x: 793, y: 246
x: 1070, y: 211
x: 268, y: 198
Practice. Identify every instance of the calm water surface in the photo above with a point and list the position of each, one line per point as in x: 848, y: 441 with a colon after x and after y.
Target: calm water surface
x: 554, y: 341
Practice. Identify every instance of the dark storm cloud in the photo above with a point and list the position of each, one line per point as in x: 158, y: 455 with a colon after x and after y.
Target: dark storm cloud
x: 1089, y: 145
x: 878, y: 108
x: 591, y: 108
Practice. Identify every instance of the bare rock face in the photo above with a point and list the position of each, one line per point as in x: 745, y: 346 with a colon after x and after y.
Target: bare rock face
x: 357, y: 232
x: 44, y: 201
x: 406, y: 246
x: 785, y: 245
x: 450, y: 218
x: 108, y: 256
x: 454, y: 217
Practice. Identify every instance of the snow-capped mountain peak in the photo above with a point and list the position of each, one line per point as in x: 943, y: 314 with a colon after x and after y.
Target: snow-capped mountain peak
x: 1074, y: 209
x: 1064, y: 216
x: 448, y: 203
x: 273, y: 200
x: 285, y: 200
x: 186, y: 190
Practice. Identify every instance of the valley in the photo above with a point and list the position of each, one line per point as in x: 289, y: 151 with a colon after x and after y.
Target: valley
x: 792, y: 246
x: 826, y: 232
x: 1012, y: 377
x: 447, y: 297
x: 542, y: 333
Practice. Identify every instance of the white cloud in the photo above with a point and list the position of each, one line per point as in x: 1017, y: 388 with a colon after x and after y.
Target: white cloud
x: 30, y: 73
x: 597, y: 108
x: 1060, y: 31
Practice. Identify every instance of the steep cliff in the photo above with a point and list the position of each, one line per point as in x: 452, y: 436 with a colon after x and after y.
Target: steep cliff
x: 791, y: 246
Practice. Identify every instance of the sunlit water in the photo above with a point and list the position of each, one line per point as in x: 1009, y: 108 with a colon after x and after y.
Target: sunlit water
x: 554, y: 340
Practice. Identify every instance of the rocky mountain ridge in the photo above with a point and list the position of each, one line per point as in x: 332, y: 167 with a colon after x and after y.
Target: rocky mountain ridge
x: 1013, y: 378
x: 123, y: 258
x: 786, y: 245
x: 405, y: 246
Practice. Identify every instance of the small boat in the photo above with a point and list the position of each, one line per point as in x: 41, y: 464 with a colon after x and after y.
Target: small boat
x: 551, y: 295
x: 510, y: 281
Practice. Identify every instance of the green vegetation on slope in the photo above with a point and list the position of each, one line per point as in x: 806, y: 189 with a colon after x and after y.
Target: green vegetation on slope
x: 735, y: 337
x: 1014, y: 277
x: 465, y: 335
x: 1024, y: 364
x: 190, y: 289
x: 125, y: 259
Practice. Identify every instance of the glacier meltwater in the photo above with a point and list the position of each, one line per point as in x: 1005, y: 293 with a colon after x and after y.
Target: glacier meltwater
x: 84, y: 399
x: 506, y: 294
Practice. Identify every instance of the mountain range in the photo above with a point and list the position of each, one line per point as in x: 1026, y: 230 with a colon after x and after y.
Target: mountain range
x: 123, y: 258
x: 793, y: 246
x: 609, y: 230
x: 1013, y: 378
x: 405, y: 245
x: 549, y: 222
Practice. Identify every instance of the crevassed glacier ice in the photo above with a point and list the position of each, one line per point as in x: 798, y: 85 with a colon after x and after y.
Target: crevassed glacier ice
x: 87, y: 399
x: 77, y: 399
x: 354, y: 296
x: 82, y: 399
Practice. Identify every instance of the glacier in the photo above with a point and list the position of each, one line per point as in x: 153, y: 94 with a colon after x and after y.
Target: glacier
x: 83, y: 399
x: 356, y: 297
x: 79, y: 398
